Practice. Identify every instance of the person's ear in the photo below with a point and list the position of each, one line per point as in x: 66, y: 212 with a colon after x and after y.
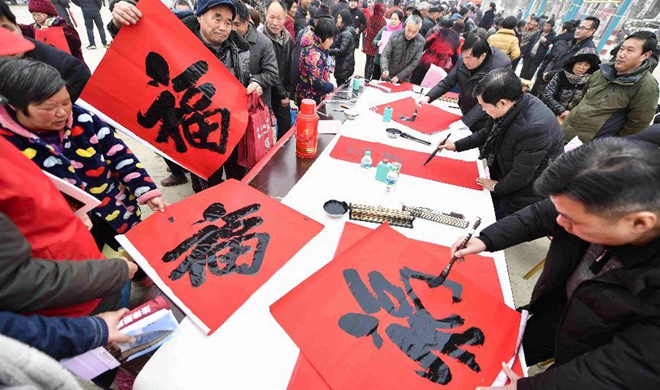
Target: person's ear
x: 647, y: 55
x: 642, y: 221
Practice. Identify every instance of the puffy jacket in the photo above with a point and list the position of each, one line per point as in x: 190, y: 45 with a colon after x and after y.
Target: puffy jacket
x: 473, y: 116
x: 263, y: 62
x: 400, y: 56
x: 531, y: 140
x: 614, y: 104
x: 561, y: 95
x: 300, y: 18
x: 47, y: 230
x: 507, y: 41
x: 314, y: 80
x: 608, y: 336
x: 343, y: 49
x: 283, y: 47
x: 562, y: 53
x: 94, y: 159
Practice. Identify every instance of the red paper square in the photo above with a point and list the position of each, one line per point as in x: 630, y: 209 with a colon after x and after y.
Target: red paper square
x: 313, y: 314
x: 430, y: 119
x: 442, y: 169
x: 282, y: 232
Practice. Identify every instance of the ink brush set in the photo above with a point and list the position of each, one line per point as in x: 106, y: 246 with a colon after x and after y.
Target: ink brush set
x: 394, y: 217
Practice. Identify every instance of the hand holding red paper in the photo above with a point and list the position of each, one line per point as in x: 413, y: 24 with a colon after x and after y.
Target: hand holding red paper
x: 173, y: 94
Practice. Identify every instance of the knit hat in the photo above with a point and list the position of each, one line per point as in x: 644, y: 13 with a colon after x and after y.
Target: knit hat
x: 205, y: 5
x: 587, y: 54
x: 323, y: 11
x: 43, y: 6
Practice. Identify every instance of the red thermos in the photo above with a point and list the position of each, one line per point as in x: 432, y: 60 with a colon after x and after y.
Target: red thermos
x: 307, y: 132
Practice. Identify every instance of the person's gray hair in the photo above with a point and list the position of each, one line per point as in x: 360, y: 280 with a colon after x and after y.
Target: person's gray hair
x: 414, y: 20
x: 423, y: 6
x: 24, y: 82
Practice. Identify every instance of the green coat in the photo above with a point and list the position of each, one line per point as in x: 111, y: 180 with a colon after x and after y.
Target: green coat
x: 614, y: 104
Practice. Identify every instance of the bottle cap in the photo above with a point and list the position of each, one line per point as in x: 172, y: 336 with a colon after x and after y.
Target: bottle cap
x: 385, y: 161
x: 307, y: 107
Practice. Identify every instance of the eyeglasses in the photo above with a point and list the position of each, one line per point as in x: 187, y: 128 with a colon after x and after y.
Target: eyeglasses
x: 584, y: 28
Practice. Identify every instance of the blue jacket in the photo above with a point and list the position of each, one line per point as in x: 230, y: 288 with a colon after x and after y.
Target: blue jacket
x: 58, y: 337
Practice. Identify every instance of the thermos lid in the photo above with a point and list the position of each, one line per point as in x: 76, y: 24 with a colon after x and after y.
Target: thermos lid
x: 307, y: 107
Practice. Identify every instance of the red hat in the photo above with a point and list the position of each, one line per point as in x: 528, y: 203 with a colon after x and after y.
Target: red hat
x: 44, y: 6
x: 11, y: 43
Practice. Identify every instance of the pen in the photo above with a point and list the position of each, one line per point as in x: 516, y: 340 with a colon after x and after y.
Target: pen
x: 436, y: 150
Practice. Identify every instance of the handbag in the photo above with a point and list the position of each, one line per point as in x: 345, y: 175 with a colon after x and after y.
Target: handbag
x: 258, y: 138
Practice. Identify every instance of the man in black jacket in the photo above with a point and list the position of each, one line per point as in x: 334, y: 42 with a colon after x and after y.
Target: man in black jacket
x: 72, y: 70
x: 304, y: 13
x: 476, y: 60
x: 596, y: 307
x: 518, y: 143
x: 92, y: 15
x: 283, y: 45
x: 558, y: 44
x: 359, y: 22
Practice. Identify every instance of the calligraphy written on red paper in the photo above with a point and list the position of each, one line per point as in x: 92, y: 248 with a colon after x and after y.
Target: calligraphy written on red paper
x: 182, y: 108
x: 423, y: 333
x: 214, y: 245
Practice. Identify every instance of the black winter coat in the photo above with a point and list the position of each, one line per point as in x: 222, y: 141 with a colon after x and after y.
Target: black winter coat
x: 473, y: 116
x: 487, y: 20
x: 561, y: 95
x: 427, y: 25
x: 531, y: 140
x: 88, y: 5
x: 609, y: 334
x: 650, y: 135
x: 556, y: 64
x: 71, y: 69
x: 341, y: 4
x: 343, y: 49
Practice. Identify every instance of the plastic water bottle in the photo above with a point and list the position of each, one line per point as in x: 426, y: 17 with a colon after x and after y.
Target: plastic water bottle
x: 392, y: 176
x: 366, y: 161
x: 387, y: 114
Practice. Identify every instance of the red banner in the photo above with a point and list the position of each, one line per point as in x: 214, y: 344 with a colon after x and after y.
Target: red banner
x: 442, y: 169
x: 160, y: 82
x: 214, y: 249
x: 429, y: 120
x: 53, y: 36
x: 384, y: 327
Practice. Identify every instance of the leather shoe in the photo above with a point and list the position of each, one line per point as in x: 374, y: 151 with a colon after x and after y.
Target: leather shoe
x: 172, y: 180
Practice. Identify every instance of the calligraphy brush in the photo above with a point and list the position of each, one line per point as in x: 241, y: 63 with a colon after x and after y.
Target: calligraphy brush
x: 443, y: 276
x: 436, y: 150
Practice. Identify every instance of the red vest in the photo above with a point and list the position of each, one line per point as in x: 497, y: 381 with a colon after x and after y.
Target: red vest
x: 35, y: 205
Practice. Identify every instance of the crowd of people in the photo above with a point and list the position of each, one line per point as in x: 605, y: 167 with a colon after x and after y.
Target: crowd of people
x: 526, y: 89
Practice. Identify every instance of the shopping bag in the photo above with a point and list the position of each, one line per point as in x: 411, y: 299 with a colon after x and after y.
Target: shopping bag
x: 258, y: 138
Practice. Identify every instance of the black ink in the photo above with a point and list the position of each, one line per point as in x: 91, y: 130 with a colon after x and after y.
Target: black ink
x: 421, y: 337
x: 190, y: 122
x: 219, y: 247
x: 171, y: 219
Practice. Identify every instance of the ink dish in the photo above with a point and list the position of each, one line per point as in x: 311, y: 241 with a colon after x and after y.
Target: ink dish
x: 335, y: 208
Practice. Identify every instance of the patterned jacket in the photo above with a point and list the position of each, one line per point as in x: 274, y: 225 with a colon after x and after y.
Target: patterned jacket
x: 314, y: 80
x: 94, y: 159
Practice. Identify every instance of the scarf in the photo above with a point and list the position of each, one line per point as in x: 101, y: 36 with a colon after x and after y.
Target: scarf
x: 491, y: 146
x: 578, y: 79
x: 397, y: 28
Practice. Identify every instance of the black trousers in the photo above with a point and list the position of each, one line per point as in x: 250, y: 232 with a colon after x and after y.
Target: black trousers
x: 369, y: 68
x: 418, y: 75
x: 539, y: 338
x: 530, y: 65
x: 283, y: 118
x: 91, y: 18
x: 230, y: 169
